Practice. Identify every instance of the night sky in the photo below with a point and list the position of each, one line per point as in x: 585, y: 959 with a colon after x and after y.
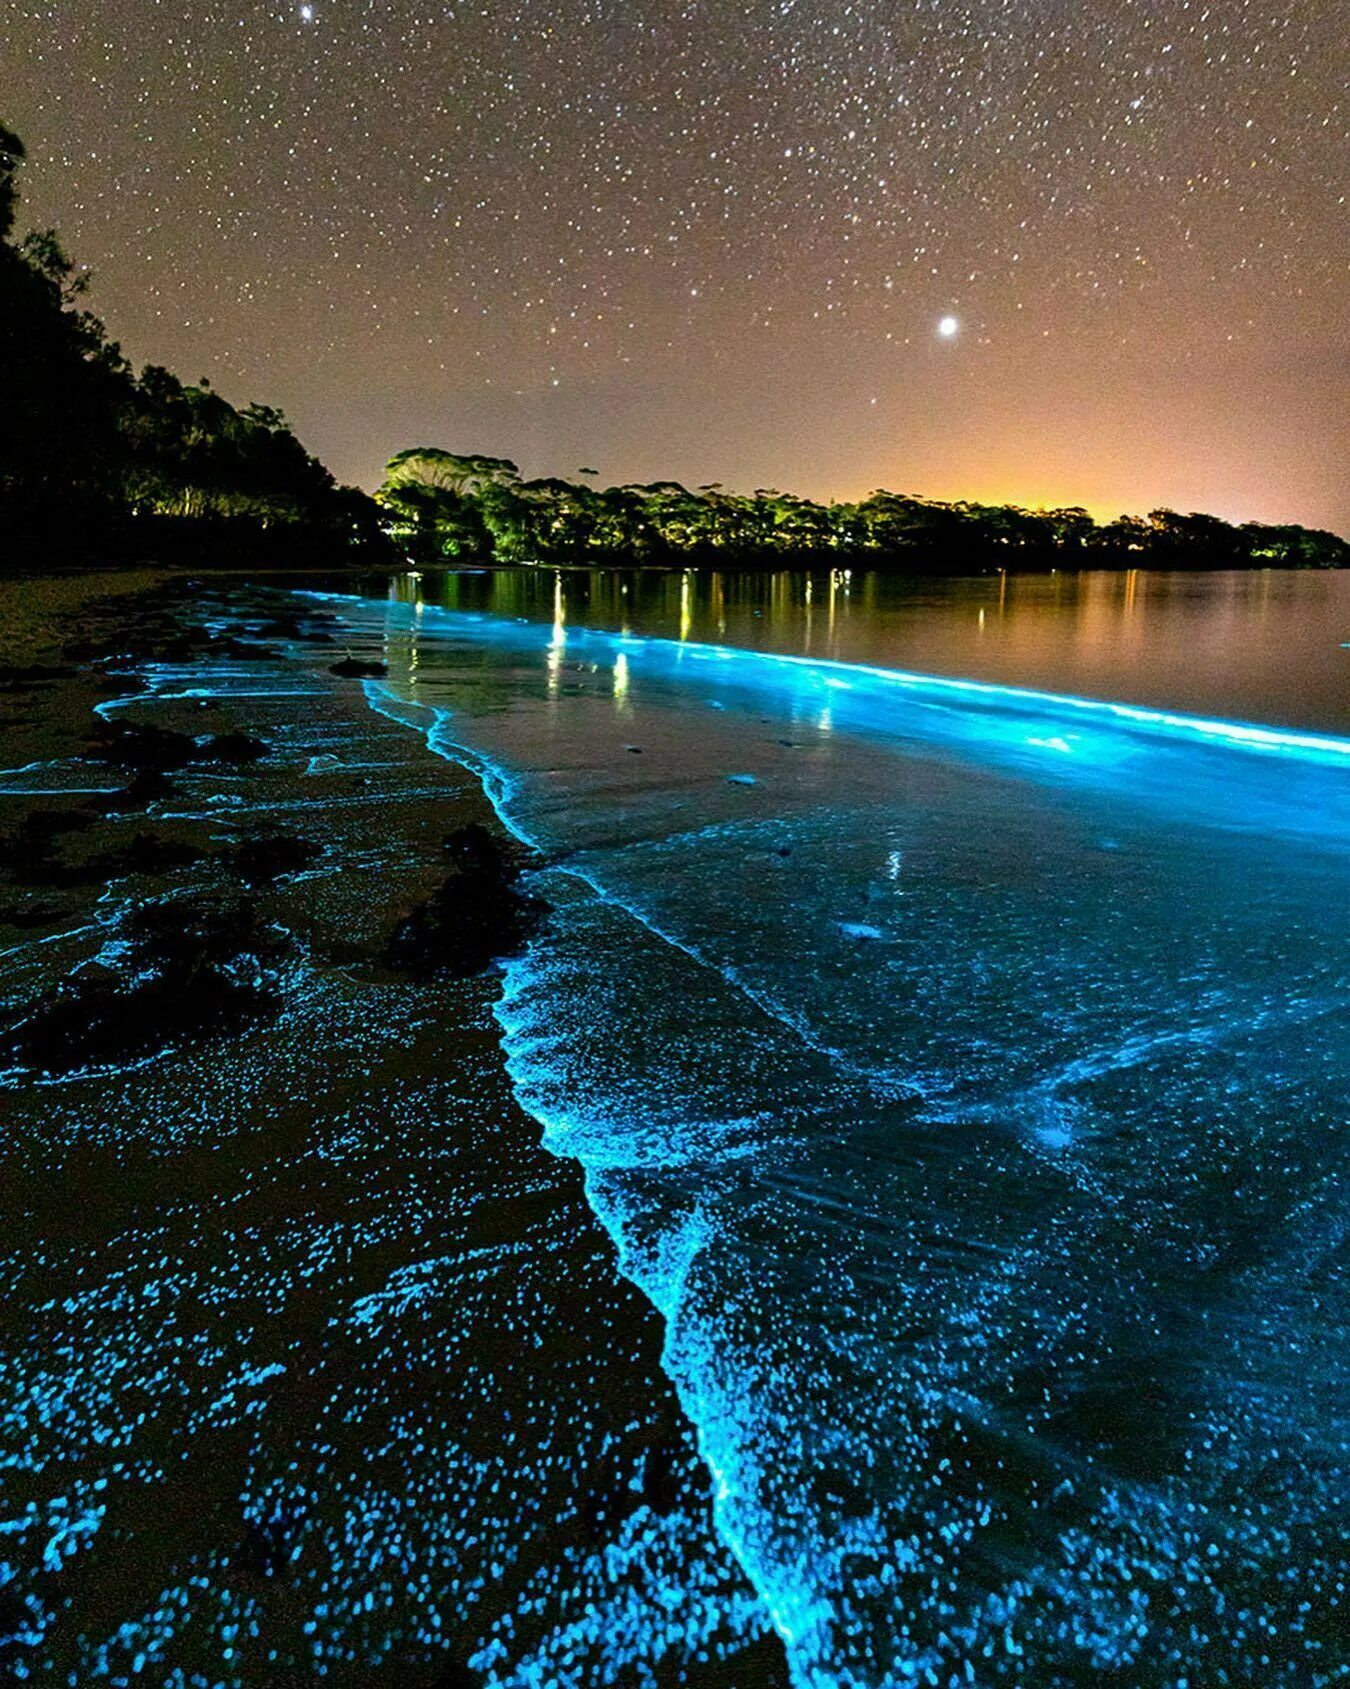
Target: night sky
x: 718, y: 241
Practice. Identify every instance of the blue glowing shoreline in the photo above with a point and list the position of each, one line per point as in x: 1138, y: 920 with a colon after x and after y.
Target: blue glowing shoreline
x: 790, y: 1618
x: 796, y: 1606
x: 836, y: 673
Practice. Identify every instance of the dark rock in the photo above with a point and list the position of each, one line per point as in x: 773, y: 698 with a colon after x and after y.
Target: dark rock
x: 258, y: 862
x: 232, y: 747
x: 281, y: 627
x: 185, y: 645
x: 40, y: 826
x: 481, y: 852
x: 27, y: 917
x: 146, y: 854
x: 660, y: 1477
x: 242, y: 650
x: 29, y: 855
x: 454, y: 1674
x: 464, y: 927
x: 350, y: 668
x: 761, y: 1664
x: 148, y: 787
x: 33, y: 862
x: 306, y: 629
x: 268, y: 1545
x: 293, y: 628
x: 189, y: 969
x: 34, y: 674
x: 163, y: 640
x: 161, y: 750
x: 158, y: 748
x: 198, y: 931
x: 114, y: 685
x: 476, y: 917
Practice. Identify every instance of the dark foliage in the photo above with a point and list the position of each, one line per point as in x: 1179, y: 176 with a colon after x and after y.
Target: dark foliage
x: 441, y: 504
x: 97, y: 459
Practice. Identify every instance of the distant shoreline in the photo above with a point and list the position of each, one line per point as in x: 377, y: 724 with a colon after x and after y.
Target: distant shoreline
x: 279, y: 570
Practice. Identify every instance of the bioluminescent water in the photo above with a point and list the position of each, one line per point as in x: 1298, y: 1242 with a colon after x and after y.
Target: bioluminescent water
x: 953, y: 1056
x: 314, y: 1366
x: 961, y: 1070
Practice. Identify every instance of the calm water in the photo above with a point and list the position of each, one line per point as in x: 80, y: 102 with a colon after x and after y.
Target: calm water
x: 1261, y: 647
x: 946, y: 998
x: 961, y: 1071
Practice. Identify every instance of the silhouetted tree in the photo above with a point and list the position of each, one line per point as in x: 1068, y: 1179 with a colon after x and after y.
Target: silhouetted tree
x: 445, y: 504
x: 11, y: 157
x: 91, y: 453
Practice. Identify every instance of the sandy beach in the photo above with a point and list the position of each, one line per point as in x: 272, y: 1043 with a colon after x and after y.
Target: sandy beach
x: 315, y: 1364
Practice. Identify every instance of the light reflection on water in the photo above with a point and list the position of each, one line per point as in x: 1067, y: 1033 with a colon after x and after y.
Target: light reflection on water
x: 960, y: 1071
x: 1258, y: 646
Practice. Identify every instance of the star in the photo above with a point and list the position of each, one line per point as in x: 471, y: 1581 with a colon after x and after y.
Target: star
x: 661, y: 198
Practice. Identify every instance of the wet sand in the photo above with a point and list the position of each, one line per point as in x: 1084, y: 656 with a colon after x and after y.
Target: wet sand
x: 313, y: 1364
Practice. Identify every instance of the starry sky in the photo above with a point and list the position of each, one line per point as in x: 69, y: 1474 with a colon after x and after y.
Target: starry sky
x: 1086, y: 251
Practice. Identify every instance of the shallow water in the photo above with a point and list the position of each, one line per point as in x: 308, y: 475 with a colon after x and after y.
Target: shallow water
x: 1267, y: 646
x: 961, y: 1072
x: 313, y: 1365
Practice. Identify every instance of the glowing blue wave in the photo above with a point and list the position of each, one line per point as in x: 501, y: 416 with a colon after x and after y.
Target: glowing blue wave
x: 843, y: 676
x: 1052, y: 1214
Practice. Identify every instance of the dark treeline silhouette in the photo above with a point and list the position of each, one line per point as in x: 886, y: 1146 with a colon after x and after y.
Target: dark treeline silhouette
x: 442, y: 505
x: 96, y: 460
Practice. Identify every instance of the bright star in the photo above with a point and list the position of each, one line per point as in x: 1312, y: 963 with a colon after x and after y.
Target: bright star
x: 947, y: 327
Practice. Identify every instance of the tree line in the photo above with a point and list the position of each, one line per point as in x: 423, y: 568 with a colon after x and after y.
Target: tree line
x: 96, y: 458
x: 443, y: 505
x: 99, y: 459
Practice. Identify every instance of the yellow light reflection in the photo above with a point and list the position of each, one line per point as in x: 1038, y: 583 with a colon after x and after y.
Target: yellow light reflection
x: 557, y: 646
